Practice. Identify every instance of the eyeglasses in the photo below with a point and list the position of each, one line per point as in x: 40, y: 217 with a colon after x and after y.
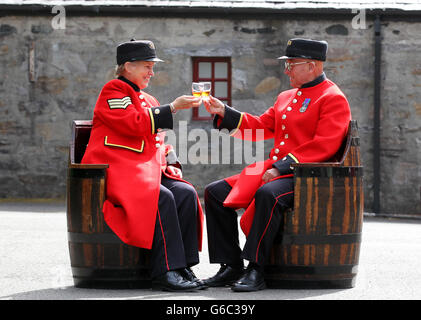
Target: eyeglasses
x: 288, y: 65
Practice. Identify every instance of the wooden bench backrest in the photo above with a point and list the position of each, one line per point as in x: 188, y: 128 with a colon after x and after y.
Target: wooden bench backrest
x: 351, y: 156
x: 347, y: 155
x: 81, y: 131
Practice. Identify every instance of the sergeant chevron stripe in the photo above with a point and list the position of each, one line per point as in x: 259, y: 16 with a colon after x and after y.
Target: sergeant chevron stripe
x: 119, y: 103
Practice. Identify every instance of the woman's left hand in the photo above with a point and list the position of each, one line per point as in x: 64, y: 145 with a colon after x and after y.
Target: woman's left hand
x: 174, y: 171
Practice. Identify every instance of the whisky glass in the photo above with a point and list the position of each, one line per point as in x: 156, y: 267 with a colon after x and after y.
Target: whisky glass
x: 197, y: 89
x: 206, y: 90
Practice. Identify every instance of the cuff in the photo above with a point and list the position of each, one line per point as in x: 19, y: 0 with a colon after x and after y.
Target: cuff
x: 284, y: 165
x: 231, y: 121
x: 161, y: 118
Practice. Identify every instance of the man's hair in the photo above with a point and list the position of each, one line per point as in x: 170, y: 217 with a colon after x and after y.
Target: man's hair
x: 119, y: 70
x: 319, y: 66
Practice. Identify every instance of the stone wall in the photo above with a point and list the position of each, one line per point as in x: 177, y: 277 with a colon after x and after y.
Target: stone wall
x: 72, y: 65
x: 401, y: 119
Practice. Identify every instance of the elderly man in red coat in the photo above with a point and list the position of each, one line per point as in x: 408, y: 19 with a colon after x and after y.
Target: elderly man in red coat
x: 148, y: 204
x: 307, y: 124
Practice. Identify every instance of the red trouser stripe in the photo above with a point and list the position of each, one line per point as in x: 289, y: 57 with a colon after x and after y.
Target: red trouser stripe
x: 271, y: 213
x: 163, y: 237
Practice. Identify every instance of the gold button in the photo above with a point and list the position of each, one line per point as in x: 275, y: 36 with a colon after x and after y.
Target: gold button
x: 141, y: 96
x: 282, y: 143
x: 157, y: 111
x: 143, y: 104
x: 157, y: 145
x: 275, y: 158
x: 294, y: 101
x: 299, y: 93
x: 289, y: 109
x: 157, y: 138
x: 284, y: 116
x: 286, y: 136
x: 276, y: 150
x: 283, y: 127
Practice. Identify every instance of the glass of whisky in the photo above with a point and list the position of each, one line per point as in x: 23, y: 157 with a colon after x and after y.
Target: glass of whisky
x: 197, y: 89
x: 206, y: 90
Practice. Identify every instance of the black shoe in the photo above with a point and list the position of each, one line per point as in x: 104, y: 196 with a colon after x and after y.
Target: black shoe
x: 252, y: 280
x: 188, y: 274
x: 173, y: 281
x: 224, y: 277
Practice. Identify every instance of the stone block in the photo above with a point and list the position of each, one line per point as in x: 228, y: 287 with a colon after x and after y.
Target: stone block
x: 266, y: 85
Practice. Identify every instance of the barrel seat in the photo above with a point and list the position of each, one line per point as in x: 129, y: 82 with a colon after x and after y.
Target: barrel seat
x: 319, y: 241
x: 98, y: 258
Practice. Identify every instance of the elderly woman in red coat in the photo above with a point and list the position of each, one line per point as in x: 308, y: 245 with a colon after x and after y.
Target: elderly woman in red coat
x: 307, y: 124
x: 148, y: 204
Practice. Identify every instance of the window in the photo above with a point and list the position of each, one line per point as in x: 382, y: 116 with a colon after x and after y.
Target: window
x: 218, y: 72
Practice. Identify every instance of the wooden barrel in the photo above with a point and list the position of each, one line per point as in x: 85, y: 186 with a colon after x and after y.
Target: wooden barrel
x: 319, y: 241
x: 99, y: 259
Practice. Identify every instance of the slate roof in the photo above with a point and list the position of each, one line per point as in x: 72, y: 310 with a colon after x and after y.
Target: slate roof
x: 232, y: 5
x: 273, y: 4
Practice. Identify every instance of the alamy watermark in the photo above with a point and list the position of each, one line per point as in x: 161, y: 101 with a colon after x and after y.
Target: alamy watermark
x: 200, y: 146
x: 359, y: 20
x: 59, y: 20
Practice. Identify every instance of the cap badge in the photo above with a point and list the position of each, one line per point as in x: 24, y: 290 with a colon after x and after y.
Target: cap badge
x: 305, y: 104
x: 289, y: 42
x: 151, y: 45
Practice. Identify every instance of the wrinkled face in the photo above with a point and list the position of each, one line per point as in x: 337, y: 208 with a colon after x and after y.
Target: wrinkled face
x: 300, y: 73
x: 140, y: 72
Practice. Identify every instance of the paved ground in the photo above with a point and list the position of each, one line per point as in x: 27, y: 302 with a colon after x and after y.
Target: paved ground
x: 35, y: 265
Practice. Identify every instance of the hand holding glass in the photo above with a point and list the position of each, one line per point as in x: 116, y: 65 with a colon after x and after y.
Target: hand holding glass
x: 214, y: 106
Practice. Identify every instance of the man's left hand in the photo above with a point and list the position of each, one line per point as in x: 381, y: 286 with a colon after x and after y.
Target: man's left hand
x: 270, y: 174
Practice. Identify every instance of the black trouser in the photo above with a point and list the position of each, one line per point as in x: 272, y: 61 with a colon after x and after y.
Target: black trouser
x: 271, y: 200
x: 175, y: 243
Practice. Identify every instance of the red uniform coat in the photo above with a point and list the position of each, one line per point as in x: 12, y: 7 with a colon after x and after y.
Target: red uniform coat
x: 125, y: 136
x: 307, y: 124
